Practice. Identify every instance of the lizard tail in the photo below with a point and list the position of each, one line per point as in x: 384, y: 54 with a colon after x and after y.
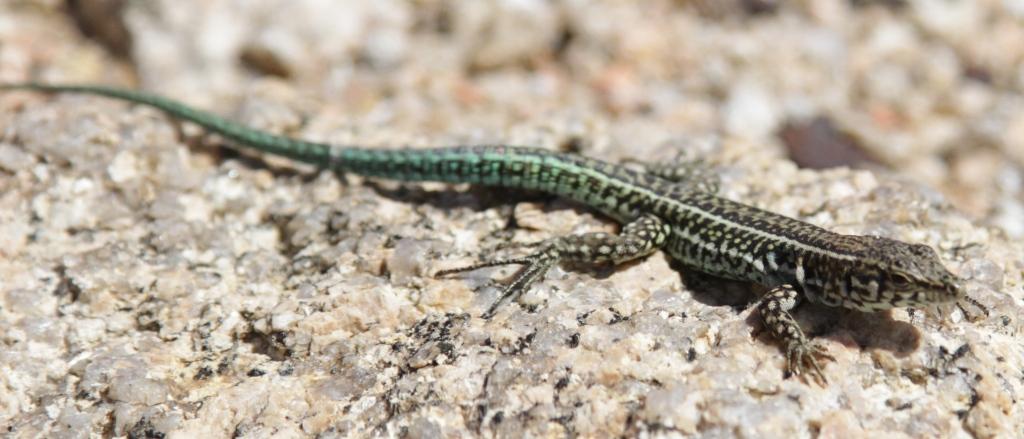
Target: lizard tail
x: 586, y: 180
x: 304, y: 151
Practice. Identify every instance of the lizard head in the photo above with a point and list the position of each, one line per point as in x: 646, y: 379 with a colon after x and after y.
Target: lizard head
x: 906, y: 275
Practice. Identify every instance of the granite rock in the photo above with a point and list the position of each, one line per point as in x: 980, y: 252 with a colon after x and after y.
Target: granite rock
x: 156, y: 283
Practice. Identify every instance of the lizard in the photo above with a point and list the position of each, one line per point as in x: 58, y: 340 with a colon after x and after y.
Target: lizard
x: 658, y: 208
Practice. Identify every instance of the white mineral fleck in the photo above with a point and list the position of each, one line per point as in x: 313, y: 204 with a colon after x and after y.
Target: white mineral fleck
x: 124, y: 167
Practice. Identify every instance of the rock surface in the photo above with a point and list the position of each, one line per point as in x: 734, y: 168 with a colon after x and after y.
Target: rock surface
x: 156, y: 284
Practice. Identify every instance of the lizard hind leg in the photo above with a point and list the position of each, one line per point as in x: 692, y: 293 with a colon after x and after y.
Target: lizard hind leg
x: 639, y: 238
x: 691, y: 173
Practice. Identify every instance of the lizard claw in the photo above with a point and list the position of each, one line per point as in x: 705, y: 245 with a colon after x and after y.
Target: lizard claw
x: 533, y: 268
x: 802, y: 359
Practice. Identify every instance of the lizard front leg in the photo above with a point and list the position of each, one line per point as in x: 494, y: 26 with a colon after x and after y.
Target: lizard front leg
x: 638, y: 238
x: 801, y: 354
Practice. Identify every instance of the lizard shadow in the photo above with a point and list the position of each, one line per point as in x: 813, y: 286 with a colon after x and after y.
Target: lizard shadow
x: 850, y: 327
x: 475, y: 198
x: 222, y: 152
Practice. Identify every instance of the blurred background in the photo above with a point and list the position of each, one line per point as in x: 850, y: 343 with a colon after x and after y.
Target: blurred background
x: 930, y: 90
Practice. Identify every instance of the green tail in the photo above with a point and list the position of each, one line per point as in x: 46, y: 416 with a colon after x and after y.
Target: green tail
x: 295, y: 149
x: 607, y: 187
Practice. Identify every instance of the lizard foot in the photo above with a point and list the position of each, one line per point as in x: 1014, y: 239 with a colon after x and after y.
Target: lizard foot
x: 802, y: 360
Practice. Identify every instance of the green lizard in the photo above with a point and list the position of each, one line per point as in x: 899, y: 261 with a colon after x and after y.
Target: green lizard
x: 659, y: 210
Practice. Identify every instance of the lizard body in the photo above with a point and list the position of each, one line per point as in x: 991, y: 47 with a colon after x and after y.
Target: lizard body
x: 796, y: 260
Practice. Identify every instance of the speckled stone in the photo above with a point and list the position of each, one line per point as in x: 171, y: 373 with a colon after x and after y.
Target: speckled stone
x: 154, y: 283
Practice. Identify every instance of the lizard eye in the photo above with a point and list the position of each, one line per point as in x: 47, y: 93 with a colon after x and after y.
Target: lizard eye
x: 901, y: 280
